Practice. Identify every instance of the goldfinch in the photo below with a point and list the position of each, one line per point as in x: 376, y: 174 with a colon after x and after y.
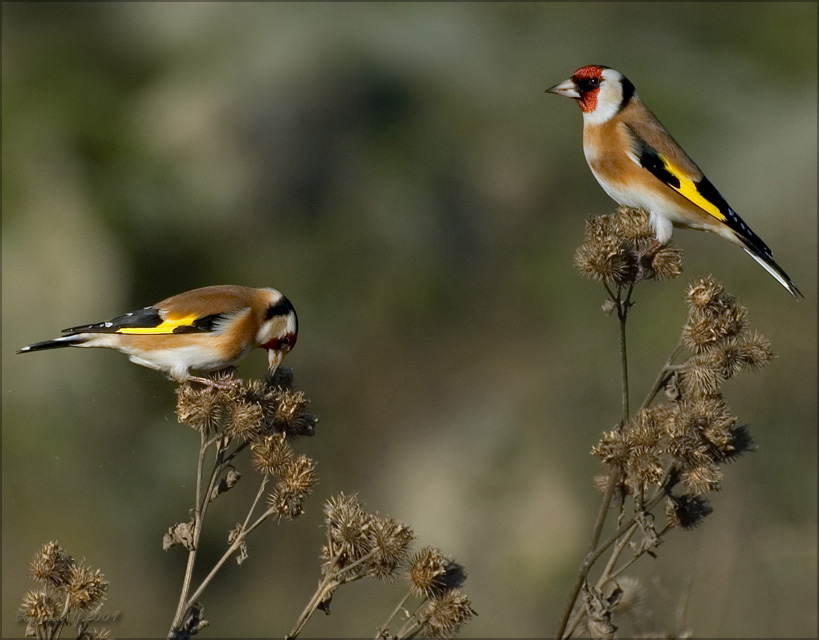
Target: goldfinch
x: 639, y: 165
x: 205, y: 329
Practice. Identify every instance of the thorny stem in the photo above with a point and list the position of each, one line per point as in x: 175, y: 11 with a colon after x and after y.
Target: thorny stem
x: 622, y: 306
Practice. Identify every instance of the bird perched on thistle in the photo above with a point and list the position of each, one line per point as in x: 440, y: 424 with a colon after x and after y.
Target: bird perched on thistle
x: 640, y: 165
x: 205, y: 329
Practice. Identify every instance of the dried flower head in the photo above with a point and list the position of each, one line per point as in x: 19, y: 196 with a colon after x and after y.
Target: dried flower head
x: 431, y: 573
x: 686, y: 512
x: 666, y: 262
x: 390, y: 542
x: 704, y: 293
x: 348, y: 526
x: 702, y: 478
x: 199, y: 406
x: 612, y: 448
x: 756, y: 350
x: 606, y: 259
x: 633, y: 225
x: 86, y: 588
x: 296, y: 481
x: 622, y: 249
x: 713, y: 316
x: 40, y: 605
x: 244, y: 421
x: 292, y: 415
x: 700, y: 376
x: 272, y: 454
x: 51, y: 565
x: 442, y: 616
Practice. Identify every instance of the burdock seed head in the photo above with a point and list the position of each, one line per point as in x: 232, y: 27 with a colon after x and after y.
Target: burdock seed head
x: 39, y: 605
x: 391, y: 541
x: 348, y: 526
x: 52, y: 565
x: 442, y: 616
x: 87, y: 587
x: 199, y: 406
x: 431, y: 573
x: 297, y: 479
x: 272, y: 454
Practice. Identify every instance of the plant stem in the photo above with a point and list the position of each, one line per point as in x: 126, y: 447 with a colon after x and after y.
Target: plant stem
x: 200, y: 509
x: 622, y: 306
x: 186, y: 581
x: 241, y: 536
x: 662, y: 377
x: 330, y: 583
x: 631, y: 561
x: 317, y: 598
x: 384, y: 628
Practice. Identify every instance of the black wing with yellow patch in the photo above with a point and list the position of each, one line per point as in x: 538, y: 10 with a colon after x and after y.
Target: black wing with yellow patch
x: 148, y: 321
x: 699, y: 192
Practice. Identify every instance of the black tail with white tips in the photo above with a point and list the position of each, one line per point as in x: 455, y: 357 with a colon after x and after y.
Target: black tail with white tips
x: 764, y: 257
x: 57, y: 343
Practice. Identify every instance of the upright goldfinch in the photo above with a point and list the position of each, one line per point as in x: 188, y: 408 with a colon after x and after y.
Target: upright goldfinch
x: 206, y: 329
x: 639, y: 165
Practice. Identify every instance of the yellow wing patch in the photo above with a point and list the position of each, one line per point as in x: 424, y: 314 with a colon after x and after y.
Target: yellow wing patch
x: 166, y: 327
x: 688, y: 190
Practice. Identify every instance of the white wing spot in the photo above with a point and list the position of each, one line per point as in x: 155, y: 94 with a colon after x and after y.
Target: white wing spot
x: 108, y: 324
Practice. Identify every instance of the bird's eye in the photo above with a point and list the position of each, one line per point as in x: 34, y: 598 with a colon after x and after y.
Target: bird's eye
x: 594, y: 82
x: 284, y: 343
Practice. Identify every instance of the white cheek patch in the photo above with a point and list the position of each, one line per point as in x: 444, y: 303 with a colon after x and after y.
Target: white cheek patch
x: 609, y: 98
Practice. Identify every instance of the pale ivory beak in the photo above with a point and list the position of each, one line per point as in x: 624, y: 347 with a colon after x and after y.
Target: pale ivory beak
x: 566, y: 88
x: 274, y: 359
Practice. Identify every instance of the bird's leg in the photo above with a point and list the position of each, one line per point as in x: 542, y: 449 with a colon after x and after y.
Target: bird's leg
x: 229, y: 383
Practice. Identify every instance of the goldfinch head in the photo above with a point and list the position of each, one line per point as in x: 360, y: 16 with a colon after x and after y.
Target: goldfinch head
x: 279, y: 328
x: 600, y: 92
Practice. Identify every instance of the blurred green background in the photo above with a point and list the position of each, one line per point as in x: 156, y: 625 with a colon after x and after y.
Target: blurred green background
x: 398, y: 172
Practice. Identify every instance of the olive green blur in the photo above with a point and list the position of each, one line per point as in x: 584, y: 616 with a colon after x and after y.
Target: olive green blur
x: 399, y: 173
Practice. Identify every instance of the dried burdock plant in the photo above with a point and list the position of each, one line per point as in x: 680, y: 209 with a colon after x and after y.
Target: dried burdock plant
x: 668, y: 452
x: 70, y: 594
x: 263, y: 418
x: 361, y: 544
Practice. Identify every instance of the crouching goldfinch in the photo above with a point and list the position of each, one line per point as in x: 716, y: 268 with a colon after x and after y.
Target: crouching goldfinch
x: 639, y: 165
x: 206, y: 329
